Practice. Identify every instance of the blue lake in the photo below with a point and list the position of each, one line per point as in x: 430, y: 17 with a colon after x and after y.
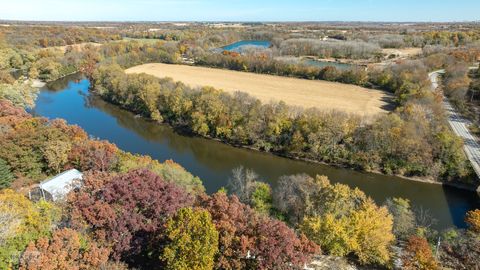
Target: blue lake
x: 241, y: 45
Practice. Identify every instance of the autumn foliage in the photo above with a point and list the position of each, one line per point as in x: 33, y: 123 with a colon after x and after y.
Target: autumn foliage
x: 67, y: 249
x: 418, y: 255
x: 22, y: 221
x: 244, y: 232
x: 129, y: 211
x: 345, y: 221
x: 93, y: 155
x: 192, y: 240
x: 473, y: 220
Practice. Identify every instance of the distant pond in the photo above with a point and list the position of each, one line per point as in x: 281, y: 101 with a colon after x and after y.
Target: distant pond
x: 244, y: 44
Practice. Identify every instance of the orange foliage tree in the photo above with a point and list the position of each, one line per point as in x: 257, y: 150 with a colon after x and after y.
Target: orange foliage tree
x: 473, y: 220
x: 418, y: 255
x: 66, y: 250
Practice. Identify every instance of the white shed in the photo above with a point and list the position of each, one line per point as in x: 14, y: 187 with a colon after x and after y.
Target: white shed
x: 60, y: 185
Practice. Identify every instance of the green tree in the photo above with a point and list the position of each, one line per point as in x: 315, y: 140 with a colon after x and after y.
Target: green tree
x: 6, y: 175
x: 403, y: 217
x: 262, y: 198
x: 193, y: 240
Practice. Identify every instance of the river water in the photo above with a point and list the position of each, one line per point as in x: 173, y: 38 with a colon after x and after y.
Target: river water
x: 212, y: 161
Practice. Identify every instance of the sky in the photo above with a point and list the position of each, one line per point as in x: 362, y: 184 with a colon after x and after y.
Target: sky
x: 241, y: 10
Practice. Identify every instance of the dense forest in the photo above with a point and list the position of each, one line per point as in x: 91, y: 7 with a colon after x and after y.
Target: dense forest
x: 134, y: 212
x: 176, y: 221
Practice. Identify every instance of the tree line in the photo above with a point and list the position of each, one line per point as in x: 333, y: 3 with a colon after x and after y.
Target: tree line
x: 412, y: 141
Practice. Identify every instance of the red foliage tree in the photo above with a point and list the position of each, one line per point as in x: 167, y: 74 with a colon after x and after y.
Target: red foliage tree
x: 270, y: 243
x: 93, y: 155
x: 127, y: 211
x: 8, y: 109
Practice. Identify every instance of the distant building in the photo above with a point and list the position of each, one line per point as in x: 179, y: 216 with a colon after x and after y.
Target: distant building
x: 57, y: 187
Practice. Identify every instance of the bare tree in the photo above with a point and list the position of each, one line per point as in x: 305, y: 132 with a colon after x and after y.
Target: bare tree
x: 293, y: 196
x: 242, y: 183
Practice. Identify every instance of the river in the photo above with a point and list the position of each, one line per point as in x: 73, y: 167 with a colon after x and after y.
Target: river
x: 212, y: 161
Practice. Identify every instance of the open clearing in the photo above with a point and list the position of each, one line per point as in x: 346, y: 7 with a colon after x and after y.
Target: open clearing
x: 76, y: 47
x: 297, y: 92
x: 403, y: 52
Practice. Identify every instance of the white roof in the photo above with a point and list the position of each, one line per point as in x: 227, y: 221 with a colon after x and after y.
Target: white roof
x: 60, y: 185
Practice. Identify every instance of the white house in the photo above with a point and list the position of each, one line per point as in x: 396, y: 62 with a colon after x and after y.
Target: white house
x: 57, y: 187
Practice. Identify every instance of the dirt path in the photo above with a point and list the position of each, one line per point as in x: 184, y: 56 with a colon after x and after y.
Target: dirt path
x: 296, y: 92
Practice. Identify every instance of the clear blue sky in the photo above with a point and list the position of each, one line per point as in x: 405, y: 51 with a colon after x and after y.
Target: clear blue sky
x: 241, y: 10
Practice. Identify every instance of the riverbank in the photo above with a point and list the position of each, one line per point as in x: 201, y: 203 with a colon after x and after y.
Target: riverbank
x: 213, y: 161
x: 426, y: 180
x: 385, y: 144
x: 37, y: 83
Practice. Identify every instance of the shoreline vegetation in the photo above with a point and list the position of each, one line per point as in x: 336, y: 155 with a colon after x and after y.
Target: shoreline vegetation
x: 116, y: 182
x: 457, y: 185
x: 240, y: 119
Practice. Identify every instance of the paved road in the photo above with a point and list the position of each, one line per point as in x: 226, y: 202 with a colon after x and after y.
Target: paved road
x: 459, y: 124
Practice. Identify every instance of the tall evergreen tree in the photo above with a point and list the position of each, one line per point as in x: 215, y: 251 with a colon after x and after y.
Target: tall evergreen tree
x: 6, y: 175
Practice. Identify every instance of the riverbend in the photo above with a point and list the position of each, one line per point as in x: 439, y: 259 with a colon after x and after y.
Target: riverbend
x: 212, y: 161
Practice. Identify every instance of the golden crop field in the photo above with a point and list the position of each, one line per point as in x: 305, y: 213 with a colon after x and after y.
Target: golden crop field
x: 297, y: 92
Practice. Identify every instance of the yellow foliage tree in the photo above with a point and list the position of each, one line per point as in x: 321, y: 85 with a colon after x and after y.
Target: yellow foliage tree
x: 346, y: 221
x: 193, y: 240
x: 372, y: 227
x: 330, y: 233
x: 22, y: 221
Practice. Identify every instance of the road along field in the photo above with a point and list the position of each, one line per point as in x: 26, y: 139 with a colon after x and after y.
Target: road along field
x: 297, y: 92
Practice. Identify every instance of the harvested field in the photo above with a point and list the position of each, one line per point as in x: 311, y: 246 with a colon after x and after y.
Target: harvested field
x: 404, y: 52
x: 297, y: 92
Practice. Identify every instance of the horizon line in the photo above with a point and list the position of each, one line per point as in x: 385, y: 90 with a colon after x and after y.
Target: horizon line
x: 238, y: 21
